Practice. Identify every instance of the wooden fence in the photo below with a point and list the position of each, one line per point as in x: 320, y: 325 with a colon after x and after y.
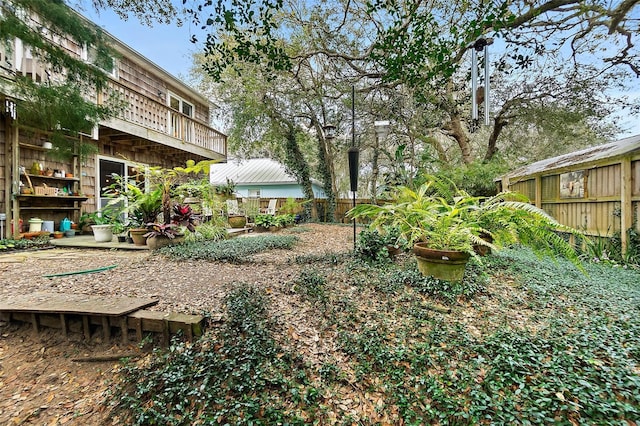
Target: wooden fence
x: 343, y: 205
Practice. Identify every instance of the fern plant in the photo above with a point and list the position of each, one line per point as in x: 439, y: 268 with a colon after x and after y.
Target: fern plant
x: 447, y: 218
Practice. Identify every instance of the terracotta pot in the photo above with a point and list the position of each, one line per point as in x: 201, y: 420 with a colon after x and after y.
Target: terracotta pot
x: 162, y: 241
x: 237, y: 221
x: 444, y: 265
x: 483, y: 250
x: 137, y: 236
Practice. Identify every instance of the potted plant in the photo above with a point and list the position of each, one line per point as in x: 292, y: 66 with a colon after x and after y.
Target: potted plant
x: 237, y: 221
x: 101, y: 223
x: 120, y: 230
x: 143, y: 207
x: 226, y: 190
x: 162, y: 234
x: 443, y: 224
x: 265, y: 222
x: 183, y: 216
x: 380, y: 244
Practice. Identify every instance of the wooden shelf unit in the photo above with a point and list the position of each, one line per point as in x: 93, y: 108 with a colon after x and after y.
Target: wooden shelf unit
x: 53, y: 178
x: 54, y: 204
x: 57, y: 197
x: 56, y: 208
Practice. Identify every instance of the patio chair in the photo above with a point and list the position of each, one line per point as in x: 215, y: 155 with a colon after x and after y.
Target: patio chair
x: 271, y: 209
x: 233, y: 209
x: 251, y: 207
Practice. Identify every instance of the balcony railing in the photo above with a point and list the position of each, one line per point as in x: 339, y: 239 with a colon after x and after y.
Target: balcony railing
x: 140, y: 109
x: 153, y: 115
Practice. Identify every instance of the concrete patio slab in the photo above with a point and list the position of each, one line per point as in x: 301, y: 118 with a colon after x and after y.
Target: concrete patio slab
x: 87, y: 241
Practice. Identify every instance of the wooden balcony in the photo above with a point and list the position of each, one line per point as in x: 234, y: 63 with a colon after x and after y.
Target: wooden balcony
x: 144, y: 118
x: 161, y: 124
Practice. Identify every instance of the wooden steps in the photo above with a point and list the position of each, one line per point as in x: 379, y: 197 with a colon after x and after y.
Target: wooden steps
x: 81, y: 313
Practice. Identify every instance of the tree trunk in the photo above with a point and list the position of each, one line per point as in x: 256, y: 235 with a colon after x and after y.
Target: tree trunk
x: 498, y: 124
x: 296, y: 162
x: 432, y: 142
x: 457, y: 132
x: 325, y: 168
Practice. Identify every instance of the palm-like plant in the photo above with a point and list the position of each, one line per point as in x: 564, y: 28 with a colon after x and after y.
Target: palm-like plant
x: 447, y: 218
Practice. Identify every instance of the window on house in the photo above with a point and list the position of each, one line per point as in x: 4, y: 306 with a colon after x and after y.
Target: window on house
x: 88, y: 54
x: 187, y: 109
x: 254, y: 193
x: 130, y: 173
x: 179, y: 104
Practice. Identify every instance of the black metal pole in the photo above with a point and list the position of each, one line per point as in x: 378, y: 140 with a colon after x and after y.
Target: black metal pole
x: 354, y: 154
x: 353, y: 145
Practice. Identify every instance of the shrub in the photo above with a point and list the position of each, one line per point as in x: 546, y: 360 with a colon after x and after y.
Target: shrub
x: 236, y: 250
x: 265, y: 220
x: 24, y: 244
x: 312, y: 285
x: 373, y: 244
x: 207, y: 232
x: 238, y: 376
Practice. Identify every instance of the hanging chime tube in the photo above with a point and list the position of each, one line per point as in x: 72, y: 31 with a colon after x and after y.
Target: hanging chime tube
x: 486, y: 85
x: 474, y: 84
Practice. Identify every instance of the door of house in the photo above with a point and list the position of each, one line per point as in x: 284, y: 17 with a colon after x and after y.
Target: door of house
x: 130, y: 172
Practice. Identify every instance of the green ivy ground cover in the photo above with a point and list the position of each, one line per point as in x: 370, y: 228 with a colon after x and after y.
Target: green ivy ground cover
x: 527, y: 341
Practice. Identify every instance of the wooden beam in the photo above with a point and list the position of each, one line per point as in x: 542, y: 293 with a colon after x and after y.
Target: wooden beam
x: 505, y: 183
x: 538, y: 183
x: 13, y: 139
x: 63, y: 324
x: 626, y: 205
x: 85, y: 327
x: 8, y: 167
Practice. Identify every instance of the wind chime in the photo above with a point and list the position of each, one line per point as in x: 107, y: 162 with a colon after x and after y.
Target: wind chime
x: 480, y: 95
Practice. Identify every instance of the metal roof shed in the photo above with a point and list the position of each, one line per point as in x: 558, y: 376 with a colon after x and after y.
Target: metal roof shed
x: 595, y: 189
x: 262, y: 176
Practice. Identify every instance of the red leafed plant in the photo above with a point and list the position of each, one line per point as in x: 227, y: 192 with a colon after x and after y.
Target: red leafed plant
x: 184, y: 216
x: 162, y: 229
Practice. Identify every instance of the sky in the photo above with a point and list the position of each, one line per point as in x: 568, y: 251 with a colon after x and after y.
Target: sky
x: 169, y: 46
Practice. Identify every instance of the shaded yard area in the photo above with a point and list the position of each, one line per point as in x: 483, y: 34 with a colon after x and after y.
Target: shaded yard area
x: 313, y: 334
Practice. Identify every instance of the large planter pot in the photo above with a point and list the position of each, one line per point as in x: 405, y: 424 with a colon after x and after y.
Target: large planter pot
x: 482, y: 250
x: 444, y: 265
x: 137, y: 235
x: 237, y: 221
x: 162, y: 241
x: 102, y: 233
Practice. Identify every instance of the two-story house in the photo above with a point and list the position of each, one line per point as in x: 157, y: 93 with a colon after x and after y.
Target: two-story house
x: 165, y: 123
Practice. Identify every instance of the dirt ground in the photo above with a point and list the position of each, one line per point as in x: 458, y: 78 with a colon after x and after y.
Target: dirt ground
x: 47, y: 379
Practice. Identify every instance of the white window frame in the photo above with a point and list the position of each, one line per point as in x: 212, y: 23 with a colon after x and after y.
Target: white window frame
x: 126, y: 164
x: 84, y: 55
x: 181, y: 103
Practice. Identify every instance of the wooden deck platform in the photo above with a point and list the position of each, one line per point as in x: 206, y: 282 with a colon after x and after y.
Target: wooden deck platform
x: 79, y: 312
x: 81, y: 304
